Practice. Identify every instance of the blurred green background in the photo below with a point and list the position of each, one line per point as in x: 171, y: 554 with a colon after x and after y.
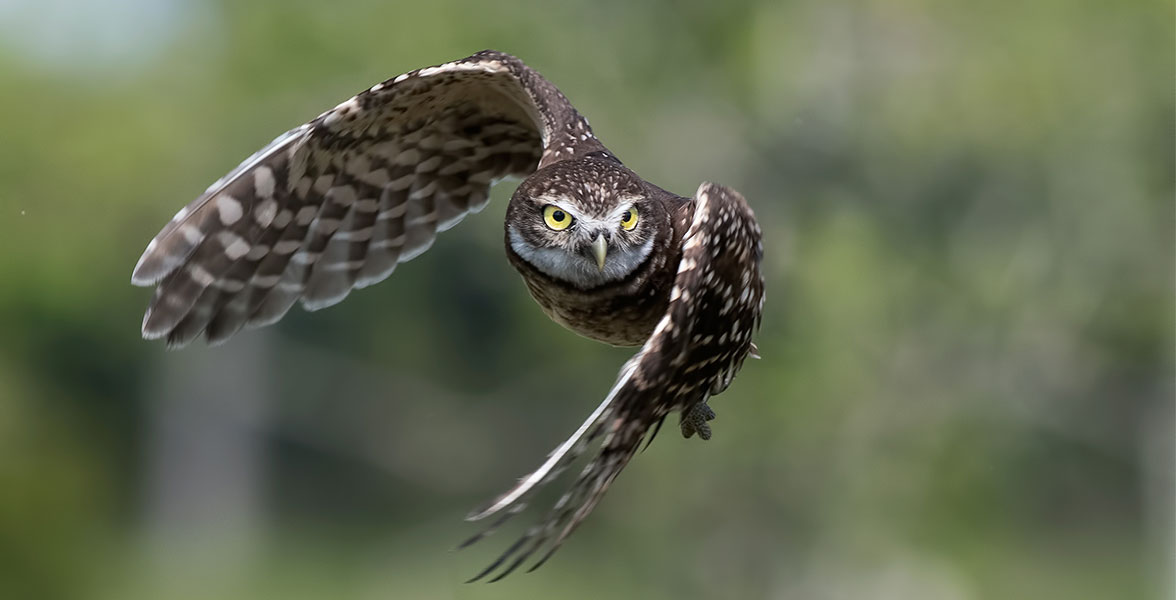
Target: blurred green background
x: 967, y: 382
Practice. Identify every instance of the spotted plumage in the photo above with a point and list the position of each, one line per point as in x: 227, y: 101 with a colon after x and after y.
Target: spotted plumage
x: 337, y: 203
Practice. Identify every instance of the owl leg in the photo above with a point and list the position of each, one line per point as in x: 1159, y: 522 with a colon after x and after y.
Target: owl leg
x: 695, y: 421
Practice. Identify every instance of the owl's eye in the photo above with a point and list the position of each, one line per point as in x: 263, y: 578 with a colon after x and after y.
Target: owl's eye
x: 556, y: 218
x: 629, y: 221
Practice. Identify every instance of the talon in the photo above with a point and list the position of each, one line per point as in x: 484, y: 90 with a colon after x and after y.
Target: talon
x: 695, y: 421
x: 753, y: 351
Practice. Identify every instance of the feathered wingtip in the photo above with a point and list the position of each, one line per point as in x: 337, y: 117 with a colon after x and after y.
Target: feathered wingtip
x: 621, y: 438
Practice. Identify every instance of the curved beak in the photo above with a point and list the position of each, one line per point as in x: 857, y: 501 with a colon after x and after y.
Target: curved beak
x: 599, y: 250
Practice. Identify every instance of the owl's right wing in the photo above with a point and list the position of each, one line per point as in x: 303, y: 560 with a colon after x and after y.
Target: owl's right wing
x: 337, y: 203
x: 694, y: 352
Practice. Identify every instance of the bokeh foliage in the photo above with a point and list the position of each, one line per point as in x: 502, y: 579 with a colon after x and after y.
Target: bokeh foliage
x: 967, y: 382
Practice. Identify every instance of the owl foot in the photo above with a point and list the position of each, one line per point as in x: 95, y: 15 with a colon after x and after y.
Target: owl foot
x: 695, y: 421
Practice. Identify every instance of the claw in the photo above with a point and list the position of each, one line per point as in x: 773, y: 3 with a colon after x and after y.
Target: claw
x: 753, y: 352
x: 695, y: 421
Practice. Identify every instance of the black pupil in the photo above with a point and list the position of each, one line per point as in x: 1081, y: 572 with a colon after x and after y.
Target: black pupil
x: 557, y: 215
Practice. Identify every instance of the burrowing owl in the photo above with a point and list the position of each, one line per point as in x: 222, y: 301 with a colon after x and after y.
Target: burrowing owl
x: 337, y: 203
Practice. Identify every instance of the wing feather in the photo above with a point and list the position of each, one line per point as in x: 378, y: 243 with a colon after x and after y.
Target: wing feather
x: 337, y: 203
x: 694, y: 351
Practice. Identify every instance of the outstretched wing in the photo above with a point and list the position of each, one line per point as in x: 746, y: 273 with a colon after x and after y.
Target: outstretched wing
x: 337, y: 203
x: 694, y: 352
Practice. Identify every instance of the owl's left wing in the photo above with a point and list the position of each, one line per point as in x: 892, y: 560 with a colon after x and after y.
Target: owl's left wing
x: 694, y: 352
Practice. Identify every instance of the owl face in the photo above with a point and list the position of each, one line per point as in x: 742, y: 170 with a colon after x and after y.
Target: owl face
x: 587, y: 223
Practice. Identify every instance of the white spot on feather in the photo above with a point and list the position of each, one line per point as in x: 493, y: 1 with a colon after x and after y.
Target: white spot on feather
x: 287, y: 246
x: 200, y: 275
x: 191, y: 234
x: 393, y: 213
x: 265, y: 281
x: 429, y: 164
x: 229, y: 209
x: 359, y: 235
x: 305, y: 258
x: 395, y: 242
x: 235, y: 246
x: 323, y: 183
x: 265, y: 212
x: 263, y: 182
x: 408, y: 157
x: 401, y: 183
x: 305, y: 215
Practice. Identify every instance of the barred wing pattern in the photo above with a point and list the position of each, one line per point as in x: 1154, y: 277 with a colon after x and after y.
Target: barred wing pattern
x: 337, y: 203
x: 694, y: 352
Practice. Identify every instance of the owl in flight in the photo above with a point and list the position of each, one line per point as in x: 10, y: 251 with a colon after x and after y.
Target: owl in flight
x: 337, y: 203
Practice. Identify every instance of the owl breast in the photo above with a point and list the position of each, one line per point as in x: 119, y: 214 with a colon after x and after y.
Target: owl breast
x: 622, y: 313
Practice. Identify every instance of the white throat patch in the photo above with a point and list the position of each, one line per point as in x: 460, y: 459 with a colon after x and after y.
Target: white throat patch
x: 579, y: 270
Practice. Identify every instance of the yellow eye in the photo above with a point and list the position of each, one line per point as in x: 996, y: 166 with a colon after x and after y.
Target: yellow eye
x: 629, y: 221
x: 556, y: 218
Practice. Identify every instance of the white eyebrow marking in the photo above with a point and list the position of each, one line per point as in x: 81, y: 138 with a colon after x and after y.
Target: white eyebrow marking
x: 611, y: 219
x: 561, y: 203
x: 626, y: 202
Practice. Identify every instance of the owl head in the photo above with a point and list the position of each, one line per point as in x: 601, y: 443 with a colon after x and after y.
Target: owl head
x: 585, y: 222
